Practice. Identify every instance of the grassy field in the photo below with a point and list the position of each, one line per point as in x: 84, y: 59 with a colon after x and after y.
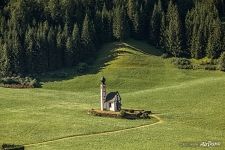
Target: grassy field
x: 190, y: 103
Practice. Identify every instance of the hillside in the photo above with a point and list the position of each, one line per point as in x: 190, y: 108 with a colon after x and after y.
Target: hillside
x: 190, y: 103
x: 38, y: 36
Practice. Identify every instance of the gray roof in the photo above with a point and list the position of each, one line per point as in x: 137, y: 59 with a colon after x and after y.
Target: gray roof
x: 111, y: 95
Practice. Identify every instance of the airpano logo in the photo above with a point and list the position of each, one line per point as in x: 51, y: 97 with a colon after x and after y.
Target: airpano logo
x: 205, y: 144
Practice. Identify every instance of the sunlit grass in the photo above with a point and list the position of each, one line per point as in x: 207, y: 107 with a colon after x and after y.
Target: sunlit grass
x: 191, y: 102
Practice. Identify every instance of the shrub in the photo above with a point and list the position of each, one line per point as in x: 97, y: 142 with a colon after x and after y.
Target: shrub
x: 123, y: 113
x: 10, y: 80
x: 145, y: 115
x: 19, y: 82
x: 12, y: 147
x: 222, y: 62
x: 210, y: 67
x: 182, y: 63
x: 207, y: 61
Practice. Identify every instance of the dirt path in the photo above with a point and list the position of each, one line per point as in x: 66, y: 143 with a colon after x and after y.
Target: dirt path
x: 96, y: 134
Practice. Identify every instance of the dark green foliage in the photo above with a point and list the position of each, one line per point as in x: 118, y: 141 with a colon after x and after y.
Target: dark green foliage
x: 182, y: 63
x: 82, y: 68
x: 106, y: 19
x: 12, y: 147
x: 38, y: 36
x: 157, y: 24
x: 222, y: 62
x: 203, y: 30
x: 19, y: 82
x: 214, y: 46
x: 173, y: 34
x: 120, y: 24
x: 211, y: 67
x: 76, y: 45
x: 87, y: 37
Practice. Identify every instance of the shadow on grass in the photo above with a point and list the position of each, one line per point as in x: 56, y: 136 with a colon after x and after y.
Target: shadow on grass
x: 107, y: 54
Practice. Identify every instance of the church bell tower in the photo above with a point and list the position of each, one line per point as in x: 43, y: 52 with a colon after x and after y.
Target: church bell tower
x: 103, y: 93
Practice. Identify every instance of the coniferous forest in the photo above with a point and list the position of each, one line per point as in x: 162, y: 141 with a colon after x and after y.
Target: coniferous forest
x: 43, y: 35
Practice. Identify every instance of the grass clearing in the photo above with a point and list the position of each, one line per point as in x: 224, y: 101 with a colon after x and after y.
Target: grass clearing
x: 189, y: 101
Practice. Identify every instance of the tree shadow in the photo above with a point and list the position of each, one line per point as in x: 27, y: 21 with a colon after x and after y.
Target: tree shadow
x: 105, y: 55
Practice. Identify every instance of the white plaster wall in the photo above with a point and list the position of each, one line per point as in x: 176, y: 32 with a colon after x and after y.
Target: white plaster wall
x: 112, y: 108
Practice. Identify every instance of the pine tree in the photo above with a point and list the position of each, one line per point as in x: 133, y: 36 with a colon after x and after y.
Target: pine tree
x: 69, y: 52
x: 214, y: 46
x: 55, y: 11
x: 87, y: 40
x: 133, y: 17
x: 222, y: 62
x: 52, y: 53
x: 5, y: 60
x: 18, y: 55
x: 173, y: 31
x: 30, y: 50
x: 120, y: 31
x: 197, y: 43
x: 163, y: 31
x: 156, y: 23
x: 76, y: 44
x: 60, y: 46
x: 106, y: 28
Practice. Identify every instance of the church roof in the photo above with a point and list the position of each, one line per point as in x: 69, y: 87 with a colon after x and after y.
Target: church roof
x: 111, y: 96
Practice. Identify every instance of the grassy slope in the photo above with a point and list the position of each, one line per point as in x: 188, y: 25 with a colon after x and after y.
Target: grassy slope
x: 190, y: 102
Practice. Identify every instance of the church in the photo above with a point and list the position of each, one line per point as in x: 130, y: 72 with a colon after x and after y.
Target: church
x: 110, y: 101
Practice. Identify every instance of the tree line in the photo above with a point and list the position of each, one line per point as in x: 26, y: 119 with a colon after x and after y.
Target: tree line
x: 43, y: 35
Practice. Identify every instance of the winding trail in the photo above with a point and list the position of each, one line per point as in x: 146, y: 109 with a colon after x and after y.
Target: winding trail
x: 160, y: 121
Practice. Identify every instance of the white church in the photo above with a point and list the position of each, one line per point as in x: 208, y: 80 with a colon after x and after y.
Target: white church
x: 110, y: 101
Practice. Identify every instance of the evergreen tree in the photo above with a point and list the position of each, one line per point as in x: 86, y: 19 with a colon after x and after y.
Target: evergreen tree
x: 173, y: 31
x: 60, y: 46
x: 214, y: 46
x: 69, y: 52
x: 120, y: 31
x: 156, y: 21
x: 17, y: 54
x: 106, y: 28
x: 197, y: 44
x: 52, y: 53
x: 87, y: 41
x: 30, y: 50
x: 133, y: 17
x: 55, y: 11
x: 162, y: 41
x: 222, y: 62
x: 76, y: 44
x: 5, y: 62
x: 200, y: 24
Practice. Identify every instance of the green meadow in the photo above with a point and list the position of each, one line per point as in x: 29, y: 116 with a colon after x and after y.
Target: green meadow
x: 190, y: 103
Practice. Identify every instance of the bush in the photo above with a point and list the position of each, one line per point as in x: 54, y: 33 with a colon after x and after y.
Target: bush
x: 145, y: 116
x: 207, y: 61
x: 82, y: 68
x: 222, y: 62
x: 12, y: 147
x: 210, y: 67
x: 182, y: 63
x: 19, y: 82
x: 123, y: 113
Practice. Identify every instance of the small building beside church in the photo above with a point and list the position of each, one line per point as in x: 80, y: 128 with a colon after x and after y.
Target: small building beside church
x: 110, y: 101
